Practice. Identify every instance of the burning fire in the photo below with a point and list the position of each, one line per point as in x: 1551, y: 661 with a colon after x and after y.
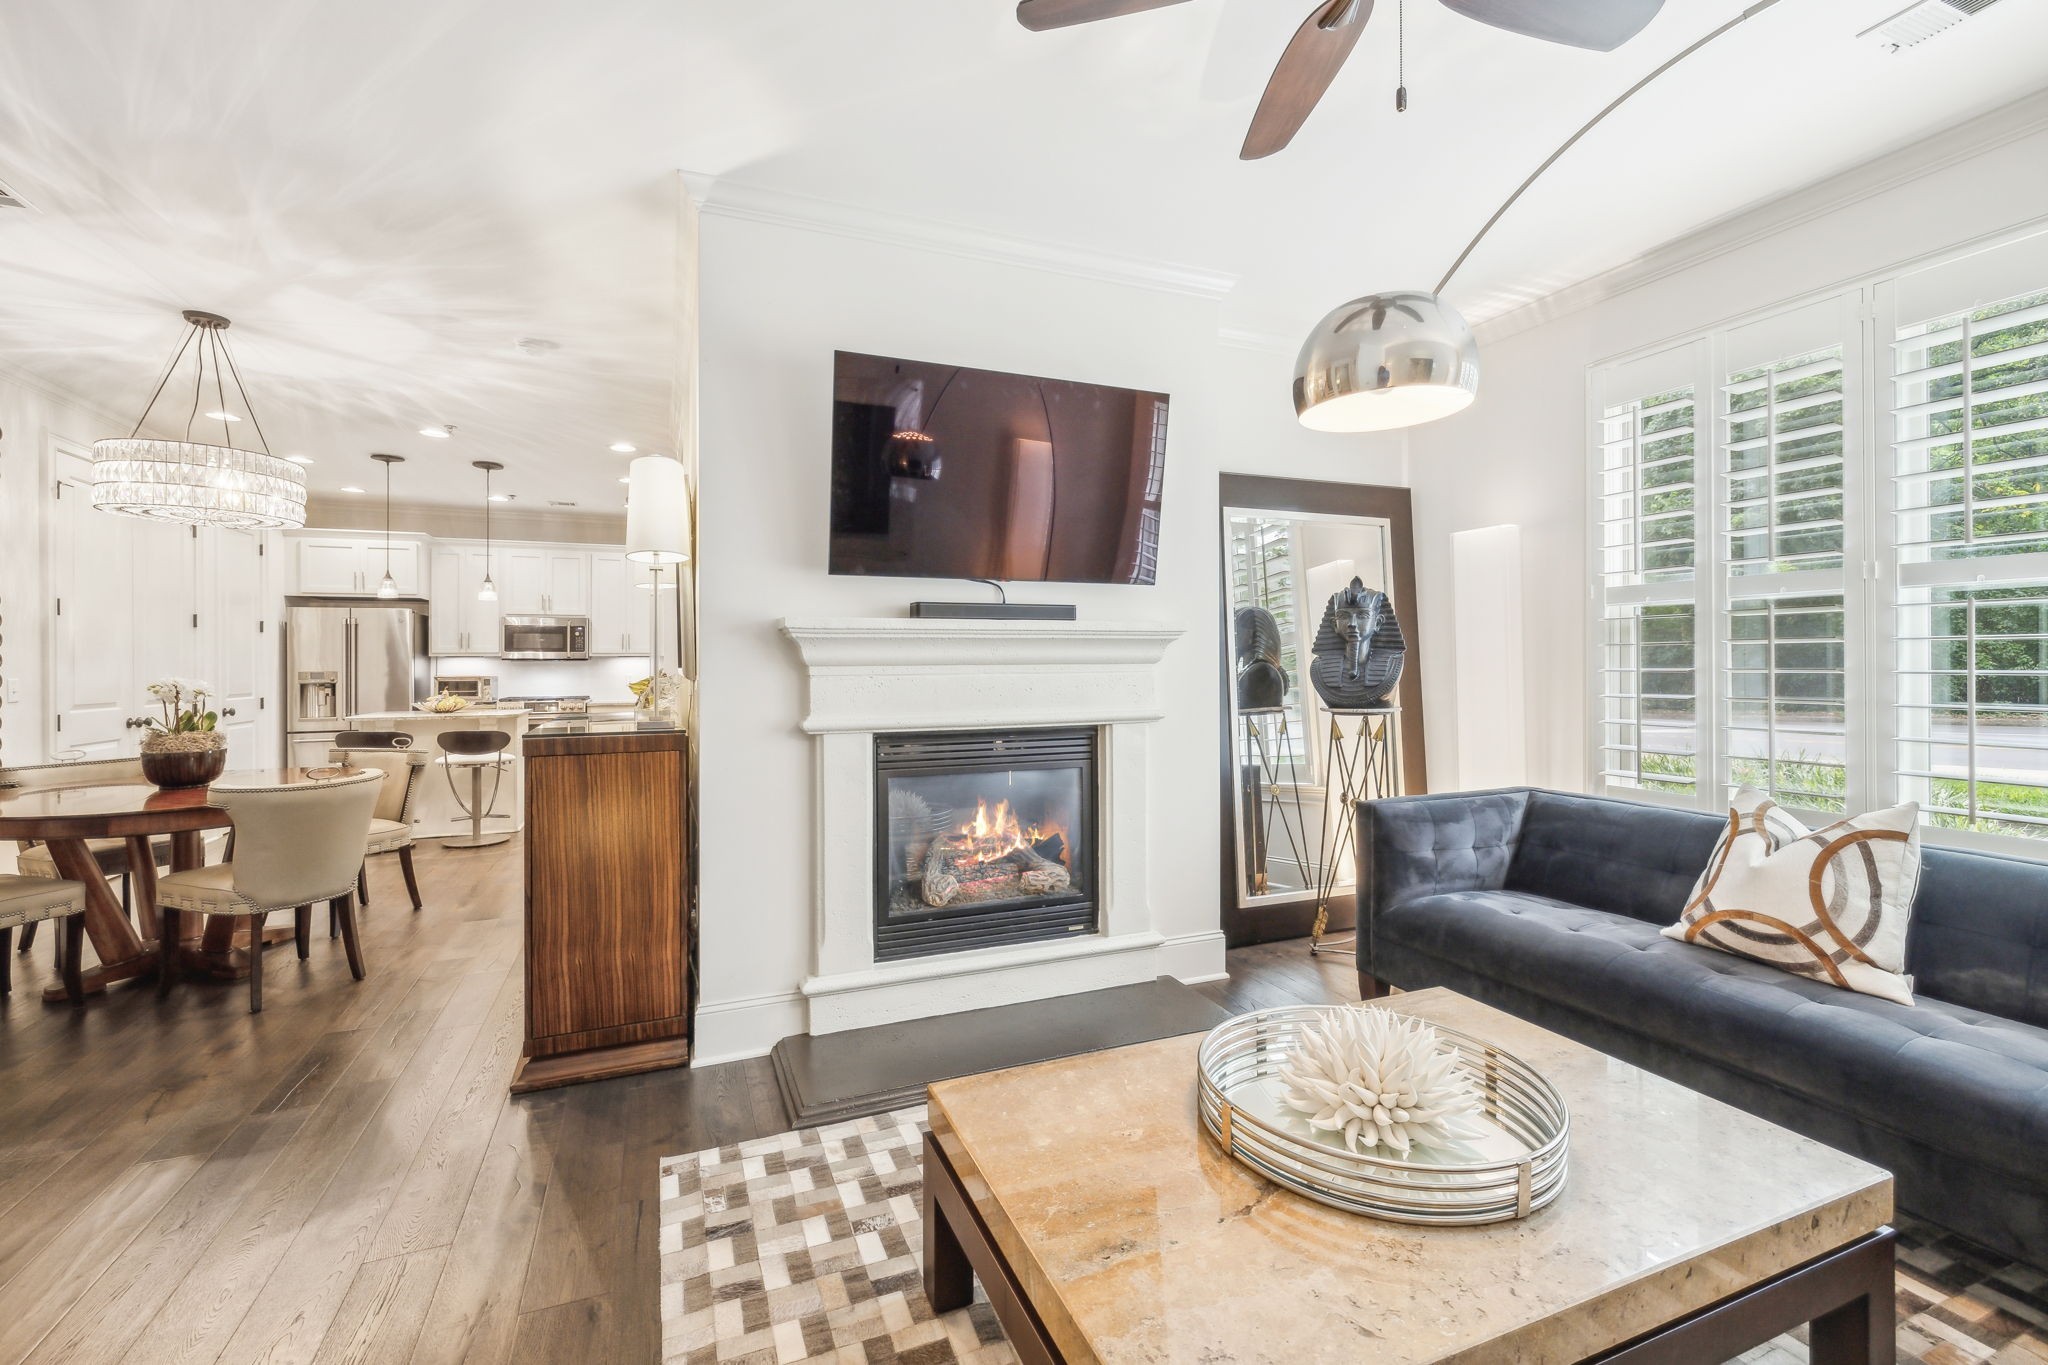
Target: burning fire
x: 995, y: 833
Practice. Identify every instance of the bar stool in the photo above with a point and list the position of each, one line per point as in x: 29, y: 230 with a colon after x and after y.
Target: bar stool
x: 475, y: 750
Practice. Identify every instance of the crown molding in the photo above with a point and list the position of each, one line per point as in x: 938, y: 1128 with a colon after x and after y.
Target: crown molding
x: 781, y: 208
x: 1244, y: 339
x: 1767, y: 218
x: 13, y: 376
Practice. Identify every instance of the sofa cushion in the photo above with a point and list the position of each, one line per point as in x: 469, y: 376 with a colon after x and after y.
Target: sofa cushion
x: 1634, y: 859
x: 1830, y: 905
x: 1953, y: 1078
x: 1979, y: 935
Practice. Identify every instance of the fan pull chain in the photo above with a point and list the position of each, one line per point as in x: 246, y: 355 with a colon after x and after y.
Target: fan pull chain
x: 1401, y: 57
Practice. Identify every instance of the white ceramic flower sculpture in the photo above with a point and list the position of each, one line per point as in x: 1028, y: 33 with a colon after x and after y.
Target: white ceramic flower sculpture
x: 1381, y: 1079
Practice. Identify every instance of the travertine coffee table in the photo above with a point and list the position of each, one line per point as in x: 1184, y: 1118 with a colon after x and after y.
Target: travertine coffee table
x: 1106, y: 1225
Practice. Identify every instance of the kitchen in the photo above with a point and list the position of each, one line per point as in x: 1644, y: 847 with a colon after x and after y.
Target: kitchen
x: 566, y: 634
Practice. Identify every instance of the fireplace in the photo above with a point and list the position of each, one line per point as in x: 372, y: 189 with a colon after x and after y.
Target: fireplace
x: 983, y: 838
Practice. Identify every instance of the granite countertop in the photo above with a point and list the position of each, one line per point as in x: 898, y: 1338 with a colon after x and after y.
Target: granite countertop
x: 467, y: 713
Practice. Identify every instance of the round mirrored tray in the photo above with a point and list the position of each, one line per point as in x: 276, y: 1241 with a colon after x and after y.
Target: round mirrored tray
x: 1515, y: 1166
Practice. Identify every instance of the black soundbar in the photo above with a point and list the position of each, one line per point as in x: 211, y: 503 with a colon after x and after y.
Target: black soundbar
x: 993, y: 611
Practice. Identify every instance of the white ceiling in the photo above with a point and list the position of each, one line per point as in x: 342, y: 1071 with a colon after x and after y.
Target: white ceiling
x: 388, y: 195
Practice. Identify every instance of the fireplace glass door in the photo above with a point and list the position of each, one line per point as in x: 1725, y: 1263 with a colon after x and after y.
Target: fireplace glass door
x: 983, y: 838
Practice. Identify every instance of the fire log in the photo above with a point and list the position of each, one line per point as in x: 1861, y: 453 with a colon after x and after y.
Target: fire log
x: 941, y: 880
x: 1039, y: 873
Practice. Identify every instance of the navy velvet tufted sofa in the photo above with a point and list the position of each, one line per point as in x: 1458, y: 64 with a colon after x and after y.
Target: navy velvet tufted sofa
x: 1548, y: 905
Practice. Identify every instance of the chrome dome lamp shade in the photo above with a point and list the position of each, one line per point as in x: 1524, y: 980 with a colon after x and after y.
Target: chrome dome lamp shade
x: 196, y: 482
x: 1386, y: 361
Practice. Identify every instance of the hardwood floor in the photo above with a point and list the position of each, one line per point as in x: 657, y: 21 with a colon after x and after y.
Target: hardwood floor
x: 345, y: 1176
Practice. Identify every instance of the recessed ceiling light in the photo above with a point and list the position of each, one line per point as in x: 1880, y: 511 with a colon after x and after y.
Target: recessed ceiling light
x: 300, y: 459
x: 625, y: 481
x: 223, y: 417
x: 501, y: 497
x: 350, y: 488
x: 622, y: 447
x: 438, y: 433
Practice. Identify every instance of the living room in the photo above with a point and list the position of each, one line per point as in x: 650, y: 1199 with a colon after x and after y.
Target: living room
x: 1126, y: 796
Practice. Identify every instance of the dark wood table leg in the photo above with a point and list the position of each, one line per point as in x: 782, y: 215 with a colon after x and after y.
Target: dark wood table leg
x: 142, y: 884
x: 1862, y: 1330
x: 122, y: 953
x: 948, y: 1277
x: 959, y: 1250
x: 1847, y: 1297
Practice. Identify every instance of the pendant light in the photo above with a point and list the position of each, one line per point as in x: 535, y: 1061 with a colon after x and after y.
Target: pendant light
x: 1403, y: 358
x: 389, y: 586
x: 489, y: 591
x: 196, y: 482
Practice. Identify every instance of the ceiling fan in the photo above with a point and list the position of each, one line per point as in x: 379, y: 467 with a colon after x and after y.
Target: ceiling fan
x: 1319, y: 47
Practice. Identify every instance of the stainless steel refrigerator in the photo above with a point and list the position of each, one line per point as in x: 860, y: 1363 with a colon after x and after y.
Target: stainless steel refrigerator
x: 346, y: 659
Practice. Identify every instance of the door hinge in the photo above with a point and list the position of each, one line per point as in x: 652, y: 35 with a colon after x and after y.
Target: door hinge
x: 60, y: 725
x: 60, y: 606
x: 195, y: 620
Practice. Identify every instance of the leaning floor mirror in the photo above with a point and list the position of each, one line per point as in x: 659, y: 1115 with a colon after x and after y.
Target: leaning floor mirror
x: 1321, y: 695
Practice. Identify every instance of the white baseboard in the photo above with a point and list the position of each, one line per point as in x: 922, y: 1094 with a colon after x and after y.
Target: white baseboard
x: 1194, y: 958
x: 734, y: 1030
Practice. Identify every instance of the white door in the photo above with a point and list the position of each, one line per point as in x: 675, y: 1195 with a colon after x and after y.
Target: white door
x: 237, y: 639
x: 523, y: 582
x: 444, y: 604
x: 92, y: 664
x: 568, y: 583
x: 329, y: 566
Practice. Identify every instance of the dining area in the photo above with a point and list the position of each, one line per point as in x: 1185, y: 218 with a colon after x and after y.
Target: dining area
x: 186, y: 884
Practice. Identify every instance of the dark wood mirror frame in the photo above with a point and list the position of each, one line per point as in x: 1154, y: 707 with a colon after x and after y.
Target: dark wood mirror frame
x: 1264, y: 924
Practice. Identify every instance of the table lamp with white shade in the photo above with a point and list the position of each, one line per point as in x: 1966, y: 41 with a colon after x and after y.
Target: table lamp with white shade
x: 658, y: 532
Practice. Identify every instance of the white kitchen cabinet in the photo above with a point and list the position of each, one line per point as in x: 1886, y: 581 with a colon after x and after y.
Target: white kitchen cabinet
x: 622, y: 605
x: 352, y: 566
x: 457, y: 623
x: 568, y: 583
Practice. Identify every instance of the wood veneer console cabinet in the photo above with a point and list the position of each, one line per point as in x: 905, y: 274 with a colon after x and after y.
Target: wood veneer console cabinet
x: 607, y: 906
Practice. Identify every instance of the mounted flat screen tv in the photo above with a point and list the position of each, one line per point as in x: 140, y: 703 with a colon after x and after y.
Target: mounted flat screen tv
x: 939, y: 471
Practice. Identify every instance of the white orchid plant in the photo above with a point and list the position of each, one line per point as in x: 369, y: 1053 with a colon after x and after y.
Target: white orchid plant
x: 184, y: 703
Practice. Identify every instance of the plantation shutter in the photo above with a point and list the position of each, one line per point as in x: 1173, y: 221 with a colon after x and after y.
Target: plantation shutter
x: 1647, y: 708
x: 1969, y: 408
x: 1784, y: 430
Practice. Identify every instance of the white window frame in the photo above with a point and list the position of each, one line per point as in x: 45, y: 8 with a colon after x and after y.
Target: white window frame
x: 1867, y: 314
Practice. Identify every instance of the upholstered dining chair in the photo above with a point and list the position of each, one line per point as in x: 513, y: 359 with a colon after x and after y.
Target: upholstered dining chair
x: 27, y: 902
x: 390, y: 752
x: 34, y: 860
x: 294, y: 845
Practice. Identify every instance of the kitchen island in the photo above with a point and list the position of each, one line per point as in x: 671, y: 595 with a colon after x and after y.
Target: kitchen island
x: 436, y: 813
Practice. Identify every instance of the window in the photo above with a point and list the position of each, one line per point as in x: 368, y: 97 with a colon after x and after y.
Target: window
x: 1970, y: 449
x: 1843, y: 600
x: 1649, y: 712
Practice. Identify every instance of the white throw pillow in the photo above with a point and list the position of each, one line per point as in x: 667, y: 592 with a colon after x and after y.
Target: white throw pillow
x: 1829, y: 904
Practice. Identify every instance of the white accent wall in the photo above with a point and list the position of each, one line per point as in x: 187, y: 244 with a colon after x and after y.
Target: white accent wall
x: 1519, y: 454
x: 777, y: 299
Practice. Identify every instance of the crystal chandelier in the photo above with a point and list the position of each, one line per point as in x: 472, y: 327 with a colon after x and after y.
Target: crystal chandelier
x: 194, y: 481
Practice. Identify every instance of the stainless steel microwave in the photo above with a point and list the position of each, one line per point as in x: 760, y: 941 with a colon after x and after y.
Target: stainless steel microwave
x: 544, y: 637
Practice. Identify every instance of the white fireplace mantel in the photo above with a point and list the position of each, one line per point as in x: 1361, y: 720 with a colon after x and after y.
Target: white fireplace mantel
x: 873, y: 676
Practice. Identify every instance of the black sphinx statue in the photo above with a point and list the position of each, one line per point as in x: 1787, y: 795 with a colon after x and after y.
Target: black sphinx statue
x: 1359, y: 651
x: 1261, y: 680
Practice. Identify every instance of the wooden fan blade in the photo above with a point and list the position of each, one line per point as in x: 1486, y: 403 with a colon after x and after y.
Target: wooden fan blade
x: 1040, y: 15
x: 1312, y: 60
x: 1600, y: 25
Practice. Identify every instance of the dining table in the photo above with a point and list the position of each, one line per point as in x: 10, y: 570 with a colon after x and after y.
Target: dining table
x: 138, y: 813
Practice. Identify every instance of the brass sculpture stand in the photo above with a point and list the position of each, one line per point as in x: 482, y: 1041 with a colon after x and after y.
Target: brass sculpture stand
x: 1362, y: 763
